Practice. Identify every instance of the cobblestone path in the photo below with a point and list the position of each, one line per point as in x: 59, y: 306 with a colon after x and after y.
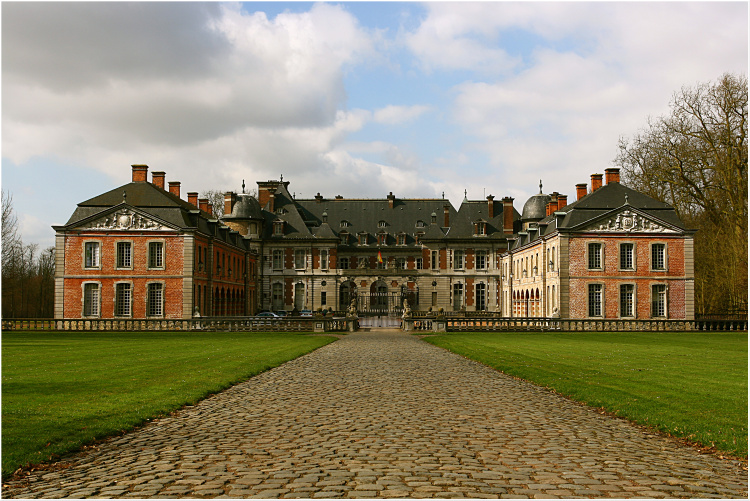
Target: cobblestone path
x: 387, y: 415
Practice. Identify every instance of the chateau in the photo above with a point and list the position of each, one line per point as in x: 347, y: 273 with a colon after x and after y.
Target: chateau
x: 141, y: 251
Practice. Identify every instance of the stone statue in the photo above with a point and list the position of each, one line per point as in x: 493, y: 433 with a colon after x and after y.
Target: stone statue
x: 352, y: 311
x: 407, y: 309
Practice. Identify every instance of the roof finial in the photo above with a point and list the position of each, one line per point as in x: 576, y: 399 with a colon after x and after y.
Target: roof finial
x: 243, y: 186
x: 626, y: 198
x: 124, y: 196
x: 540, y: 186
x: 282, y: 178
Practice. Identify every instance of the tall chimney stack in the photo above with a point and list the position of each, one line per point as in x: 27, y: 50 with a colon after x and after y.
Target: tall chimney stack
x: 508, y: 215
x: 140, y: 173
x: 596, y: 182
x: 612, y: 175
x: 391, y: 200
x: 229, y: 199
x: 446, y: 216
x: 581, y: 190
x: 203, y: 205
x: 157, y: 179
x: 490, y: 206
x: 193, y: 198
x: 174, y: 188
x: 562, y: 201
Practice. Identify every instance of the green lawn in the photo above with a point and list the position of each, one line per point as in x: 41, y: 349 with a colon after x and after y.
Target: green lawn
x: 63, y: 390
x: 686, y: 384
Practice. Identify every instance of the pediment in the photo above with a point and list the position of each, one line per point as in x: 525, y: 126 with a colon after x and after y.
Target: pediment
x: 123, y: 218
x: 628, y: 220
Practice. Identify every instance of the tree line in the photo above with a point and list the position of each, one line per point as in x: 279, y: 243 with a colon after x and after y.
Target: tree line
x: 695, y: 159
x: 28, y: 274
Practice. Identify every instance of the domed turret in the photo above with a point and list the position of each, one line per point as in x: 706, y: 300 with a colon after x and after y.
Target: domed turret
x: 246, y: 216
x: 535, y: 208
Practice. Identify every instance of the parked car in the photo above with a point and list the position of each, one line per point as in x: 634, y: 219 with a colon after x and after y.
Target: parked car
x: 267, y: 314
x: 282, y: 313
x: 305, y: 313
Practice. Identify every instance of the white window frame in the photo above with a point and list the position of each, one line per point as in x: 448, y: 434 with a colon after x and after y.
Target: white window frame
x: 419, y: 263
x: 589, y: 256
x: 589, y: 304
x: 300, y: 260
x: 483, y: 261
x: 277, y: 259
x: 342, y: 263
x: 128, y: 301
x: 323, y: 259
x: 97, y: 265
x: 159, y: 305
x: 118, y: 265
x: 620, y: 248
x: 157, y: 266
x: 459, y: 257
x: 633, y: 302
x: 664, y: 256
x: 97, y: 311
x: 435, y: 260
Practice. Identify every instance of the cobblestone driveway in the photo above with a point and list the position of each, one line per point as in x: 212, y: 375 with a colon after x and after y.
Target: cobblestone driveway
x: 387, y: 415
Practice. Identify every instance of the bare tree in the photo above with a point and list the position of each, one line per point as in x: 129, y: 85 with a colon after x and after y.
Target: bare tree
x: 695, y: 158
x: 215, y: 201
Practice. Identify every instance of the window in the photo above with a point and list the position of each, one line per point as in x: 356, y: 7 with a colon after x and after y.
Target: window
x: 363, y: 240
x: 418, y: 238
x: 595, y: 300
x: 382, y: 224
x: 434, y: 260
x: 420, y: 224
x: 382, y: 238
x: 300, y: 256
x: 400, y: 263
x: 627, y: 294
x: 552, y: 260
x: 659, y: 300
x: 458, y: 260
x: 324, y: 260
x: 299, y: 295
x: 595, y: 256
x: 344, y: 238
x: 323, y: 298
x: 401, y: 239
x: 481, y: 297
x: 278, y: 259
x: 155, y: 305
x: 363, y: 263
x: 278, y: 228
x: 277, y: 296
x: 156, y: 254
x: 458, y: 296
x: 122, y: 300
x: 92, y: 259
x: 419, y: 263
x: 91, y: 300
x: 343, y: 263
x: 382, y: 264
x: 124, y: 255
x: 344, y: 224
x: 626, y: 257
x: 480, y: 228
x: 481, y: 260
x: 658, y: 257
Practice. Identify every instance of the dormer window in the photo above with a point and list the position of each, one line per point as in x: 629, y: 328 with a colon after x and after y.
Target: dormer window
x: 480, y: 228
x: 382, y: 224
x: 418, y: 237
x: 278, y: 228
x: 281, y: 211
x: 401, y: 239
x: 382, y: 238
x: 344, y: 223
x: 363, y: 240
x: 420, y: 224
x: 344, y: 238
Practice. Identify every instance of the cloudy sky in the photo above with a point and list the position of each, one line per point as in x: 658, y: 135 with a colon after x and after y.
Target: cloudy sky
x: 356, y: 99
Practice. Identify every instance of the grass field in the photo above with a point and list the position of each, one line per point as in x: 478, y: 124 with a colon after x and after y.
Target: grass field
x: 62, y: 390
x: 689, y: 385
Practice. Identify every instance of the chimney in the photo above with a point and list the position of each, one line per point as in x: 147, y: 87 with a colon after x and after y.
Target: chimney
x: 562, y: 201
x: 581, y: 190
x: 490, y: 206
x: 548, y: 208
x: 553, y: 202
x: 229, y: 200
x: 265, y: 188
x: 596, y: 182
x: 318, y: 198
x: 140, y: 173
x: 392, y: 200
x: 612, y: 175
x: 203, y: 205
x: 174, y: 188
x: 508, y: 215
x: 271, y: 202
x: 193, y: 198
x: 157, y: 179
x: 446, y: 216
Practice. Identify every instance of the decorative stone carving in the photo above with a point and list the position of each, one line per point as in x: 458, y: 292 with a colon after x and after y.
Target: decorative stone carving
x: 125, y: 219
x: 629, y: 221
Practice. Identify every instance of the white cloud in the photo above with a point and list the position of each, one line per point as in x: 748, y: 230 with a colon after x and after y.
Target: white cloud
x: 392, y: 115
